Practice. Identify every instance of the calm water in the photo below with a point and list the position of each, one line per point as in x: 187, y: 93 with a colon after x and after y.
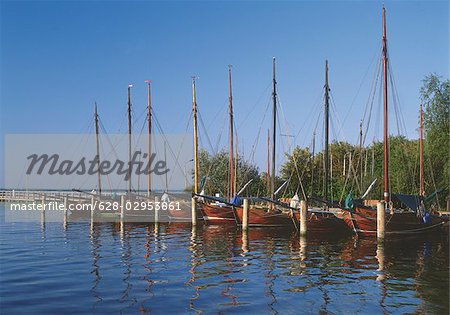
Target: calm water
x: 103, y: 269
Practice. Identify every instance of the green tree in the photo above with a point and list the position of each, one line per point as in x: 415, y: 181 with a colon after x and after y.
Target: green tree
x: 297, y: 171
x: 215, y: 168
x: 304, y: 170
x: 352, y: 169
x: 435, y: 96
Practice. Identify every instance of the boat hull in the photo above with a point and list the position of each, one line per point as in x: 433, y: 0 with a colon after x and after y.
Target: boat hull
x: 218, y: 214
x: 363, y: 220
x: 183, y: 213
x: 262, y: 217
x: 323, y: 223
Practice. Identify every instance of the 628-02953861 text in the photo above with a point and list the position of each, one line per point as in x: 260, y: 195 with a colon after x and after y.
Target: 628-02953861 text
x: 138, y: 206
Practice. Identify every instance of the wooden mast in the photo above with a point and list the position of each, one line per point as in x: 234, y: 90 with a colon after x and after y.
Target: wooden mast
x: 230, y: 110
x: 312, y: 161
x: 194, y: 118
x: 149, y: 135
x: 99, y: 180
x: 236, y: 159
x: 421, y: 190
x: 274, y: 114
x: 129, y: 136
x: 165, y: 160
x: 268, y: 160
x: 361, y: 154
x: 385, y: 113
x: 327, y: 109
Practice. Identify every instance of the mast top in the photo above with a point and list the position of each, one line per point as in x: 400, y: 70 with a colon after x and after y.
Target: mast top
x: 194, y: 94
x: 274, y: 79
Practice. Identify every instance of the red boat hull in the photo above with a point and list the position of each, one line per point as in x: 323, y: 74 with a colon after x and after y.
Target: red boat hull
x: 218, y: 214
x: 261, y: 217
x: 183, y: 213
x: 363, y: 220
x: 323, y: 223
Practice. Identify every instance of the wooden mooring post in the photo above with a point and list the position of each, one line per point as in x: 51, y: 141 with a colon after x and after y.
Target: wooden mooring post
x: 43, y: 209
x: 194, y: 211
x: 245, y: 215
x: 303, y: 217
x: 380, y: 221
x: 66, y: 206
x: 122, y: 208
x: 92, y: 208
x: 156, y: 208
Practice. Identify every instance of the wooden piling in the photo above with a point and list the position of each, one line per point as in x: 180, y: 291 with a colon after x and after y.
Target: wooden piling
x: 303, y: 217
x: 194, y: 211
x: 380, y: 221
x: 92, y: 208
x: 245, y: 215
x: 43, y: 209
x: 66, y: 206
x: 122, y: 207
x: 156, y: 207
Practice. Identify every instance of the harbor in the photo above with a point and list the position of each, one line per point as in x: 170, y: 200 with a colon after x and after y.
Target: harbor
x: 140, y: 268
x: 214, y: 173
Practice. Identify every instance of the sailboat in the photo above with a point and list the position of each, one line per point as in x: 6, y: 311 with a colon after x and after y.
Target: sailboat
x: 93, y: 193
x: 322, y: 220
x: 106, y: 213
x: 363, y: 219
x: 268, y: 212
x: 183, y: 206
x: 210, y: 209
x: 215, y: 210
x: 134, y: 214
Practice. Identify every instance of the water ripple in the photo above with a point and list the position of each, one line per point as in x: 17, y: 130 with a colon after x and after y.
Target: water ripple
x: 109, y: 268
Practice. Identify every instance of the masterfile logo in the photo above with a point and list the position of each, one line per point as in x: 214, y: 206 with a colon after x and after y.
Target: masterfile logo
x: 73, y: 161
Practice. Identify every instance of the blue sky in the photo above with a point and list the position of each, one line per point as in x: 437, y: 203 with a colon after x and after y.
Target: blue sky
x: 57, y: 58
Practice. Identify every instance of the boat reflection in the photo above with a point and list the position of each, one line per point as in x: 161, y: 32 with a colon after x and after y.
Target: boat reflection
x: 231, y: 269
